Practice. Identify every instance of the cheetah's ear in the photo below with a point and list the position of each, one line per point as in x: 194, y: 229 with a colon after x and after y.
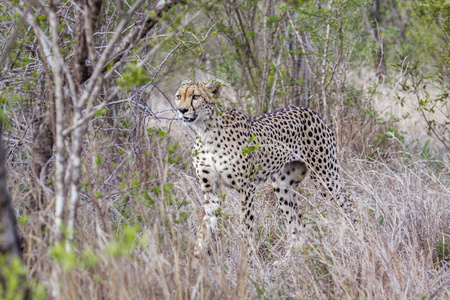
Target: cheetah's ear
x: 185, y: 82
x: 215, y: 88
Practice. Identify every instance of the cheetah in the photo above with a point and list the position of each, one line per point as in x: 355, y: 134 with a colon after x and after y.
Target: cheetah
x: 239, y: 152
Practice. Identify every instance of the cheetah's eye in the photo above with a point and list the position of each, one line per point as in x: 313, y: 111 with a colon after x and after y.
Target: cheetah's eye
x: 178, y: 97
x: 195, y: 97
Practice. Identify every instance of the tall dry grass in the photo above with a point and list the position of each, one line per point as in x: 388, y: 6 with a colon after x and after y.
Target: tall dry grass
x: 141, y: 205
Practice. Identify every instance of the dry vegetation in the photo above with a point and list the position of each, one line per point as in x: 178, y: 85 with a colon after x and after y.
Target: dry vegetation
x: 138, y: 203
x: 141, y: 204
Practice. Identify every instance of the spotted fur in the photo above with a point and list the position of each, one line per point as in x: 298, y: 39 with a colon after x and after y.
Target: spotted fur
x: 238, y: 152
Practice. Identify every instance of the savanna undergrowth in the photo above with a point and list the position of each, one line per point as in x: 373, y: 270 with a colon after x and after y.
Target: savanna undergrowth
x: 135, y: 231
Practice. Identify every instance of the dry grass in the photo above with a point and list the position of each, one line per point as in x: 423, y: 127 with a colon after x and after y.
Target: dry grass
x: 141, y: 206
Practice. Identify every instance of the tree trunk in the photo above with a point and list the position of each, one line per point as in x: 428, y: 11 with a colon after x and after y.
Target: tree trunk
x: 42, y: 150
x: 9, y: 237
x: 379, y: 63
x: 90, y: 13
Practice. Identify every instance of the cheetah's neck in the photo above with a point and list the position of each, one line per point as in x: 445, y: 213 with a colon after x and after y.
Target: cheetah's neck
x: 220, y: 117
x: 204, y: 127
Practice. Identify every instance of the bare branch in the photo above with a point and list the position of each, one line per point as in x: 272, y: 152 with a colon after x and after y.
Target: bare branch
x: 302, y: 45
x: 11, y: 39
x: 57, y: 68
x: 324, y: 66
x: 138, y: 32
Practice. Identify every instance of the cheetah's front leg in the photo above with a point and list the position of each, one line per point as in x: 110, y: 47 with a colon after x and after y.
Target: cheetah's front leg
x: 209, y: 180
x: 208, y: 224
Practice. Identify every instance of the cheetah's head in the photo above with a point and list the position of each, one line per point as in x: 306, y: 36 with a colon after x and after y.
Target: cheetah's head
x: 196, y: 101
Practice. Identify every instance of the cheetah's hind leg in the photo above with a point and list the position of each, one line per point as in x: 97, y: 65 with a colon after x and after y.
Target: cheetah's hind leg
x: 285, y: 184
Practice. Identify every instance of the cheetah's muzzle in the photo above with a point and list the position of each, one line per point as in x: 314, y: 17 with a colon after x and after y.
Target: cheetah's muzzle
x: 189, y: 120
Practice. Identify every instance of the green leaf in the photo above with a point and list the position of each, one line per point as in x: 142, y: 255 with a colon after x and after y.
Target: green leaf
x: 124, y: 242
x: 66, y: 258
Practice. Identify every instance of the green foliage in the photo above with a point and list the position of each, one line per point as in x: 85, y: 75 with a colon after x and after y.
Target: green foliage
x: 70, y: 258
x: 14, y: 274
x: 124, y: 242
x: 443, y: 251
x: 125, y: 123
x: 133, y: 75
x: 418, y: 30
x: 14, y: 277
x: 3, y: 117
x: 436, y: 12
x: 98, y: 159
x: 167, y: 188
x: 390, y: 133
x: 163, y: 133
x: 89, y: 258
x: 172, y: 148
x: 262, y: 53
x: 405, y: 34
x: 418, y: 84
x: 253, y: 146
x: 64, y: 255
x: 100, y: 112
x: 23, y: 219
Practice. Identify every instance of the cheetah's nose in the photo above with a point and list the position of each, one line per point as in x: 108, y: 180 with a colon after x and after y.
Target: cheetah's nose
x: 183, y: 110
